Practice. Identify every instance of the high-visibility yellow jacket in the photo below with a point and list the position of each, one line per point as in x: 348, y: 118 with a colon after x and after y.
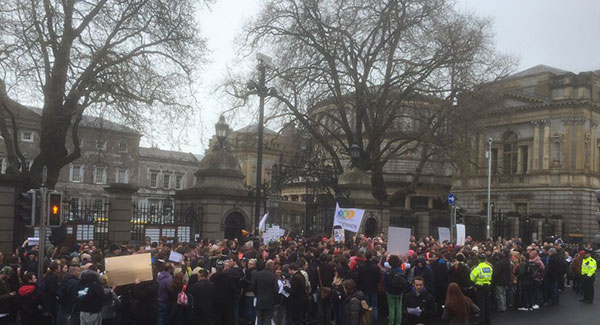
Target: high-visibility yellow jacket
x: 482, y: 274
x: 588, y: 266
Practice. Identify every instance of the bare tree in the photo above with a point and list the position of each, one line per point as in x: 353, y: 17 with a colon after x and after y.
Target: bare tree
x: 129, y: 57
x: 385, y: 75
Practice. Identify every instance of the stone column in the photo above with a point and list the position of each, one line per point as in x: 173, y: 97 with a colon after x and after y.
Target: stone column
x: 580, y: 144
x: 519, y: 160
x: 121, y: 211
x: 536, y: 146
x: 430, y: 202
x: 9, y: 229
x: 407, y: 202
x: 546, y: 146
x: 566, y: 164
x: 482, y: 148
x: 422, y: 224
x: 593, y: 147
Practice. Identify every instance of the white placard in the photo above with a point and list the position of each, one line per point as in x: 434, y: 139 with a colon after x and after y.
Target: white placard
x: 398, y: 240
x: 338, y: 235
x: 175, y: 257
x: 273, y: 234
x: 444, y: 234
x: 32, y: 241
x: 460, y: 235
x: 348, y: 218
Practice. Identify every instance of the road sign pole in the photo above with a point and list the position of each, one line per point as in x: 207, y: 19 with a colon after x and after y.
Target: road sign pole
x: 43, y: 219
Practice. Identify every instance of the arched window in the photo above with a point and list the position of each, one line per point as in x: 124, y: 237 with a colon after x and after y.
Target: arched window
x: 510, y: 154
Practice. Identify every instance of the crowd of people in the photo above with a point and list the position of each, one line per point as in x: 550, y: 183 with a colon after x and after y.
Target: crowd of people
x: 295, y: 281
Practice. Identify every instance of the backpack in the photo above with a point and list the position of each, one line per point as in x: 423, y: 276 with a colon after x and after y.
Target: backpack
x: 366, y: 313
x: 182, y: 298
x: 532, y: 270
x: 397, y: 281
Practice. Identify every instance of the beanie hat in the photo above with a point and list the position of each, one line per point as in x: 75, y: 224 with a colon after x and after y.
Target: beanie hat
x: 6, y: 270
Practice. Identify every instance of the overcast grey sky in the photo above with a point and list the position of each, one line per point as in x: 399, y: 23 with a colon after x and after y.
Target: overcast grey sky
x: 563, y: 34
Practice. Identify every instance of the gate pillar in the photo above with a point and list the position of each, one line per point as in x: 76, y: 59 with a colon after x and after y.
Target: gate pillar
x: 120, y: 212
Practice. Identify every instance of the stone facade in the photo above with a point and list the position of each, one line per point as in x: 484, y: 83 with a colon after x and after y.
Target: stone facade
x: 545, y: 155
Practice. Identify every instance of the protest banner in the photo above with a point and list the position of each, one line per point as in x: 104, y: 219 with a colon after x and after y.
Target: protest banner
x: 122, y: 270
x: 460, y: 235
x: 348, y: 218
x: 273, y: 234
x: 398, y: 240
x: 32, y: 241
x: 444, y: 234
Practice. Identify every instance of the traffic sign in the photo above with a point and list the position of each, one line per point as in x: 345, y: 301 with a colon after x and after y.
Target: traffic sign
x: 451, y: 198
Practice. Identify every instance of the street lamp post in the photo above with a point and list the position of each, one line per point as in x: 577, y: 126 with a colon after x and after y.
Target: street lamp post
x: 262, y: 91
x: 489, y: 189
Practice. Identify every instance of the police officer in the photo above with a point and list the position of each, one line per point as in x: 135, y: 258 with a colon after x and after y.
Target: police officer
x: 481, y: 275
x: 588, y: 271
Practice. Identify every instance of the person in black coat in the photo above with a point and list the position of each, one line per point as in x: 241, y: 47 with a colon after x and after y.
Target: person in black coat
x: 203, y: 292
x: 440, y: 270
x: 67, y: 296
x: 418, y: 306
x: 29, y: 300
x: 554, y: 274
x: 501, y: 279
x: 225, y: 288
x: 460, y: 273
x: 49, y: 288
x: 296, y: 302
x: 90, y: 298
x: 265, y: 288
x: 143, y: 299
x: 369, y: 277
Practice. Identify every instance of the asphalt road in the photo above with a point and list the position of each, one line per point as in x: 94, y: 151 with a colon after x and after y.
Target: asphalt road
x: 569, y: 311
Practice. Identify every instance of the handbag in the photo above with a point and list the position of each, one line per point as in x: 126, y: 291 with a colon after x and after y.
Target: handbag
x: 325, y: 292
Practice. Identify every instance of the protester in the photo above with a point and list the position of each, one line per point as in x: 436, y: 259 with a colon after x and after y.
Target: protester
x: 458, y: 308
x: 418, y: 304
x: 264, y: 285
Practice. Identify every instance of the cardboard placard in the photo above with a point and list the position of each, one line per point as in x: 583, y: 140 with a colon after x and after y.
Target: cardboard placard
x: 398, y: 240
x: 338, y: 235
x: 122, y: 270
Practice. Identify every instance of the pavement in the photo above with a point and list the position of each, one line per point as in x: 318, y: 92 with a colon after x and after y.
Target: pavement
x: 569, y: 311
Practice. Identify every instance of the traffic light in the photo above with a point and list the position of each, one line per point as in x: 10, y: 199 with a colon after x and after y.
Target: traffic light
x: 54, y: 209
x: 26, y: 203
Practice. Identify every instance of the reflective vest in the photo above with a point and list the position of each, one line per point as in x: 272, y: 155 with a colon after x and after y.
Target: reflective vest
x: 482, y: 274
x: 588, y: 266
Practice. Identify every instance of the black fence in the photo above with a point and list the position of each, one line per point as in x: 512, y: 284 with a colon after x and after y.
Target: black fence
x: 88, y: 220
x: 173, y: 223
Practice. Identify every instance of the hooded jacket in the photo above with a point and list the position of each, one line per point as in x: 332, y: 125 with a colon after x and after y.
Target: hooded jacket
x: 164, y: 284
x: 90, y: 294
x: 352, y: 308
x: 424, y: 301
x: 29, y: 301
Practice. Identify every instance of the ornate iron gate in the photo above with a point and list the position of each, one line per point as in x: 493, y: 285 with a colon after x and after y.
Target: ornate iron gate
x: 88, y: 220
x: 180, y: 222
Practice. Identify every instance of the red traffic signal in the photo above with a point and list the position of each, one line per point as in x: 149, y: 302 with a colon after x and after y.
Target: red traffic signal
x: 54, y: 209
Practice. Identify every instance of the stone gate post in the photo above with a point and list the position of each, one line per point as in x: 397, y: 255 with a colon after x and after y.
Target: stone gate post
x: 120, y: 212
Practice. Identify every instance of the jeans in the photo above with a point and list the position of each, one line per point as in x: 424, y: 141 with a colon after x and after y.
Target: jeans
x: 501, y: 298
x: 250, y: 310
x: 371, y: 299
x: 338, y: 312
x: 554, y: 292
x: 235, y: 305
x: 264, y: 316
x: 163, y: 313
x: 527, y: 294
x: 395, y: 309
x: 325, y: 310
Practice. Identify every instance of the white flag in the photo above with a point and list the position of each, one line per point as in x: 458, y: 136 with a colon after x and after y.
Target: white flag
x: 348, y: 218
x: 263, y: 221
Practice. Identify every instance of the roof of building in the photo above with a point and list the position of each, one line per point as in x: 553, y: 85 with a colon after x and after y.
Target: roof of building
x: 93, y: 122
x: 253, y: 128
x: 167, y: 154
x: 538, y: 69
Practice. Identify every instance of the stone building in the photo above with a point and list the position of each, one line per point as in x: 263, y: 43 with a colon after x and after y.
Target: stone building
x: 545, y: 157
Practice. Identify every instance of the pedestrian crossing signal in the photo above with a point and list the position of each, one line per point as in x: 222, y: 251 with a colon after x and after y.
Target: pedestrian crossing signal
x: 54, y: 209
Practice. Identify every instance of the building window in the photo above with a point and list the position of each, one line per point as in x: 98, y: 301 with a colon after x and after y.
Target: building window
x: 524, y: 158
x: 4, y: 164
x: 27, y: 136
x: 153, y: 179
x: 510, y: 154
x: 122, y: 147
x: 76, y: 174
x: 521, y: 208
x: 100, y: 145
x: 122, y: 176
x: 166, y: 180
x: 178, y: 181
x: 494, y: 161
x: 100, y: 175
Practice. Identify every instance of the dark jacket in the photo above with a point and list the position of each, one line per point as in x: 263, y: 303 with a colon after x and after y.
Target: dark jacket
x: 555, y: 268
x: 296, y: 302
x: 460, y: 273
x: 440, y: 274
x: 5, y: 297
x: 203, y: 292
x: 388, y: 285
x: 144, y: 299
x: 352, y: 308
x: 49, y: 288
x: 90, y: 294
x: 66, y: 292
x: 368, y: 277
x: 164, y: 286
x: 327, y: 273
x: 265, y: 288
x: 501, y: 273
x: 427, y: 273
x: 225, y: 287
x: 425, y: 301
x: 29, y: 300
